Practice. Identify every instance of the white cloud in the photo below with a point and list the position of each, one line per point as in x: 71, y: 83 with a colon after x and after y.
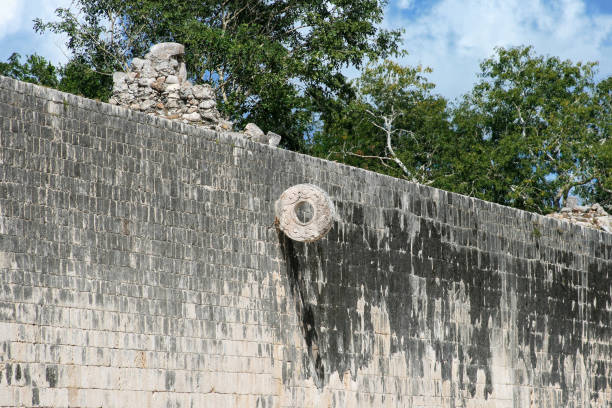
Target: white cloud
x: 405, y: 4
x: 453, y: 36
x: 11, y: 12
x: 16, y: 26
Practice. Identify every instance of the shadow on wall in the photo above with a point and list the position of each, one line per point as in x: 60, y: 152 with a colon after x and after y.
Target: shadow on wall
x: 441, y: 298
x: 304, y: 310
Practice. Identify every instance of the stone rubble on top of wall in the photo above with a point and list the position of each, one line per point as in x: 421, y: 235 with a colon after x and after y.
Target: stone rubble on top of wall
x: 157, y: 85
x: 591, y: 216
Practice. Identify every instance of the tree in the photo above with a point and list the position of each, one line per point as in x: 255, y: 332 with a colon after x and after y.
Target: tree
x: 79, y: 78
x: 35, y: 69
x: 394, y: 125
x: 535, y: 122
x: 75, y: 77
x: 601, y: 189
x: 274, y: 63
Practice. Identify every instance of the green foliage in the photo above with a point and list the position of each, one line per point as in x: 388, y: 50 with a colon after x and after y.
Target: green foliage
x: 35, y: 69
x: 533, y: 122
x: 273, y: 63
x: 355, y: 133
x: 532, y: 130
x: 601, y: 161
x: 75, y: 77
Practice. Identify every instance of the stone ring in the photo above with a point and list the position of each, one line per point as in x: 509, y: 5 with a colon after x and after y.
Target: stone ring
x: 305, y: 213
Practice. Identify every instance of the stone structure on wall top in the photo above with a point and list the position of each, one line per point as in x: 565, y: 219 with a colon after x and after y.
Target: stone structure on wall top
x: 590, y: 216
x: 157, y: 85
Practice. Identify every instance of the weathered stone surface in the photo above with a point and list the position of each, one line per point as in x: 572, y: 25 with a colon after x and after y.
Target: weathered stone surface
x: 203, y: 92
x: 138, y: 63
x: 160, y: 79
x: 208, y: 104
x: 590, y: 216
x: 317, y: 221
x: 273, y: 139
x: 119, y: 82
x: 140, y: 266
x: 166, y: 51
x: 192, y: 117
x: 158, y: 86
x: 253, y: 132
x: 146, y: 105
x: 182, y: 73
x: 172, y: 79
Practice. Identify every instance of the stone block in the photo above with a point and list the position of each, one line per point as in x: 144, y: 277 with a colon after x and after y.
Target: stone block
x: 165, y: 51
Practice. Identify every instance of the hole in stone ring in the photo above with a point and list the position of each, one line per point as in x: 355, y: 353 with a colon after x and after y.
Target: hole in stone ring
x: 304, y: 212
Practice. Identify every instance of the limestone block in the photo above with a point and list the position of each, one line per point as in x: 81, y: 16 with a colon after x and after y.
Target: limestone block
x: 149, y: 71
x: 192, y: 117
x: 210, y: 115
x: 253, y: 132
x: 207, y: 104
x: 147, y: 81
x: 273, y: 139
x: 224, y: 124
x: 186, y: 91
x: 182, y: 72
x: 138, y: 63
x: 146, y: 105
x: 165, y: 51
x: 119, y: 82
x: 203, y: 92
x: 164, y: 67
x: 158, y: 85
x: 172, y: 79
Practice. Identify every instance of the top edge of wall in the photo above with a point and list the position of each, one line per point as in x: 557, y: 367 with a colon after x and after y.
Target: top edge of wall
x: 238, y: 139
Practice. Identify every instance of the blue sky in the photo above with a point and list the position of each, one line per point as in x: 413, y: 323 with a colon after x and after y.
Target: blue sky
x: 450, y: 36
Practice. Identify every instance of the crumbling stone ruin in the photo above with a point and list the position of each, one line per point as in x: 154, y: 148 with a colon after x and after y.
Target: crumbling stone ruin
x: 157, y: 85
x: 591, y: 216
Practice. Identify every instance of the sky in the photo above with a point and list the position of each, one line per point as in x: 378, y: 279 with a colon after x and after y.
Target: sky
x: 450, y: 36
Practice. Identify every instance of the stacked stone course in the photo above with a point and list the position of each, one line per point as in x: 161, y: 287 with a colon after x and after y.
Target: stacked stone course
x: 157, y: 85
x: 590, y: 216
x: 140, y: 267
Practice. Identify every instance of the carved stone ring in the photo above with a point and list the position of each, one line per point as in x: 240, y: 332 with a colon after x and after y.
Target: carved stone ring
x: 305, y: 213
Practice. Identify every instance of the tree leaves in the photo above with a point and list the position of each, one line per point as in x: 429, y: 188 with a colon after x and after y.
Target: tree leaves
x: 277, y: 63
x: 536, y: 117
x: 533, y: 130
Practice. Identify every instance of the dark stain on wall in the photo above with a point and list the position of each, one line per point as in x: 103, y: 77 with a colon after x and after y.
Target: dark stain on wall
x: 147, y: 228
x: 410, y: 269
x: 51, y: 375
x: 303, y: 309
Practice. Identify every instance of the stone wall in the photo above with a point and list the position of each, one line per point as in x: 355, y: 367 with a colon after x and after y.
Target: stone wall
x: 141, y: 266
x: 591, y: 216
x: 157, y: 85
